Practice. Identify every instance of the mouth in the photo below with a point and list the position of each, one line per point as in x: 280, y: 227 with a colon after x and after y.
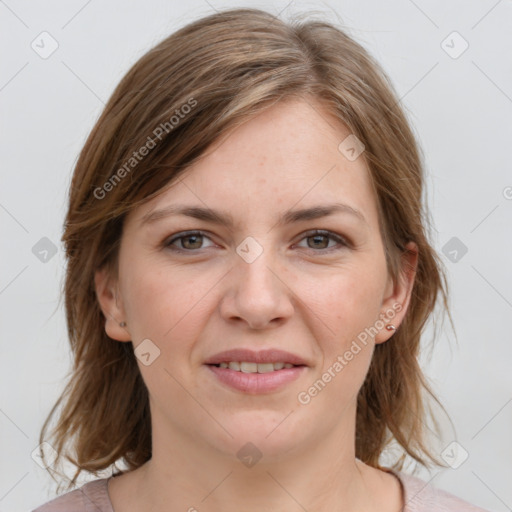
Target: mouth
x: 254, y: 373
x: 251, y: 367
x: 246, y: 359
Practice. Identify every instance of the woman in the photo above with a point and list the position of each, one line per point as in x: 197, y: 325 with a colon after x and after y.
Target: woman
x: 248, y: 279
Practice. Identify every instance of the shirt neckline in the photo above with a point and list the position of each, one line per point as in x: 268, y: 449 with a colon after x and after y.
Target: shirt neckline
x: 397, y: 474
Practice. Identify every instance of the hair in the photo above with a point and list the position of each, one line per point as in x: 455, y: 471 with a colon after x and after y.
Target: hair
x: 184, y: 94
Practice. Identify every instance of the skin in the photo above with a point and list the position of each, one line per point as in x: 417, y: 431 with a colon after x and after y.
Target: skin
x: 309, y: 297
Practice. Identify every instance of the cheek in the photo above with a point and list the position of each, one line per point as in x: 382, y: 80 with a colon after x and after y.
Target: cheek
x: 347, y: 299
x: 165, y: 304
x: 349, y: 305
x: 168, y: 308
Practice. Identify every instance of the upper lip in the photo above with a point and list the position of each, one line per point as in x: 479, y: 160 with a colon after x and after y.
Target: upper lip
x: 272, y: 355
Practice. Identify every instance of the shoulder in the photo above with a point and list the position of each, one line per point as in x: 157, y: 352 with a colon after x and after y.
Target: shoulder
x: 421, y: 496
x: 90, y: 497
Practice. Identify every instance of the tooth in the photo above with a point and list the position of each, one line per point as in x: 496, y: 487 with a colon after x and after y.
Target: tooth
x: 249, y: 367
x: 265, y: 367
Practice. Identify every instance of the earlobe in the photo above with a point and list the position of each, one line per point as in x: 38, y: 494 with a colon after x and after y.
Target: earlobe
x: 396, y: 302
x: 111, y: 306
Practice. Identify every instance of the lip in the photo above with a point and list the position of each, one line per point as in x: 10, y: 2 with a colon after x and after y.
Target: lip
x: 272, y: 355
x: 256, y: 383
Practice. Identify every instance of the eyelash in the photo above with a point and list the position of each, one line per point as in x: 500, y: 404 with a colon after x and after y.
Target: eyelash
x: 317, y: 232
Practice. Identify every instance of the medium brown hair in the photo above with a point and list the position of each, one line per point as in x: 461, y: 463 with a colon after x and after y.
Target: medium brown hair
x: 227, y: 67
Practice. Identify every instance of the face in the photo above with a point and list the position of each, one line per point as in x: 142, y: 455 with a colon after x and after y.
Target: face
x: 314, y: 286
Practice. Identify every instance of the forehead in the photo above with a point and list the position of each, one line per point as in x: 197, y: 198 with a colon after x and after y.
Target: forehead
x: 286, y: 156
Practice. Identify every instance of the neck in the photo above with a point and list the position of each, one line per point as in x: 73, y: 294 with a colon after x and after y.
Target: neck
x: 192, y: 476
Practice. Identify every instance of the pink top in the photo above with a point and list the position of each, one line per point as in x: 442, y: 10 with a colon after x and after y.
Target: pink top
x: 419, y: 497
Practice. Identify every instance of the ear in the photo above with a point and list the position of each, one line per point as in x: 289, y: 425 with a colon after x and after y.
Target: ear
x: 398, y: 293
x: 111, y: 305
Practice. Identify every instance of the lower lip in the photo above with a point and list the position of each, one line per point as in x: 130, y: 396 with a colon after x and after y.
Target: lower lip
x: 256, y: 383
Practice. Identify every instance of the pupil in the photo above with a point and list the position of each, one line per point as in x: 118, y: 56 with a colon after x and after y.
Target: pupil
x: 316, y: 237
x: 192, y: 237
x: 197, y: 238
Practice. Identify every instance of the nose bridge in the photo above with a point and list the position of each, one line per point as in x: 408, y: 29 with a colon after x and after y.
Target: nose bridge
x: 256, y: 267
x: 259, y: 294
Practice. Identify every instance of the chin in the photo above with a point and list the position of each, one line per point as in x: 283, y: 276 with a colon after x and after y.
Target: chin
x: 271, y: 433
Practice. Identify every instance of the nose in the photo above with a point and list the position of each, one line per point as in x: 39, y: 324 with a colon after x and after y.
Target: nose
x: 258, y: 294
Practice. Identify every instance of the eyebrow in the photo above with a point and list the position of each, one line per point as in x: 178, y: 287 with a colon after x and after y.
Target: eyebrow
x: 225, y: 219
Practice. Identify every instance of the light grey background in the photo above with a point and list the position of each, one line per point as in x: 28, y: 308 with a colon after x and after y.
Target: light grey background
x: 460, y: 108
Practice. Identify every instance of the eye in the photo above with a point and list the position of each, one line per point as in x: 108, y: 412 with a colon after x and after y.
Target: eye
x: 190, y: 240
x: 320, y: 238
